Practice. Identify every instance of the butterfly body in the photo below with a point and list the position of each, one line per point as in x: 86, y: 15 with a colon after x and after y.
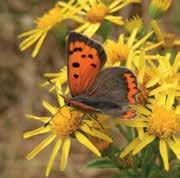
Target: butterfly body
x: 109, y: 91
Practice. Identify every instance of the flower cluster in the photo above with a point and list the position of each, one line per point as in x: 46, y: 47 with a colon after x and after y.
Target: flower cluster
x: 146, y: 50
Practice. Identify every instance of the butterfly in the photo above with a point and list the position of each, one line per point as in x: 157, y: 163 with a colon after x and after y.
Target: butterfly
x: 109, y: 91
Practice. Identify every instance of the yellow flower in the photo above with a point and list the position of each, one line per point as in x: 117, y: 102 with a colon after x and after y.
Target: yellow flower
x: 159, y: 120
x: 127, y: 49
x: 134, y: 22
x: 64, y: 124
x: 95, y: 12
x: 44, y: 24
x: 165, y: 74
x: 167, y: 40
x: 158, y: 7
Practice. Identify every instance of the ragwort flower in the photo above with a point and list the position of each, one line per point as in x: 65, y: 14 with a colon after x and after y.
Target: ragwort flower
x: 158, y: 7
x: 167, y: 40
x: 161, y: 121
x: 94, y: 12
x: 127, y: 50
x: 64, y: 125
x: 44, y: 24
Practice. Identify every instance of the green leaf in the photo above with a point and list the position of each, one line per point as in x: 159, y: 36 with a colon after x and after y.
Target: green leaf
x: 100, y: 163
x: 104, y: 29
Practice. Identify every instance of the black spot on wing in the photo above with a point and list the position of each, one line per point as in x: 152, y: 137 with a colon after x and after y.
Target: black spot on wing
x: 94, y: 65
x: 75, y: 64
x: 70, y: 52
x: 83, y: 56
x: 76, y: 76
x: 90, y: 56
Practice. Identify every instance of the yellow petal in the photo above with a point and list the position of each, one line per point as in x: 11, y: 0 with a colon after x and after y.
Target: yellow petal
x: 115, y: 19
x: 39, y: 44
x: 141, y: 66
x: 161, y: 99
x: 177, y: 110
x: 175, y: 147
x: 146, y: 140
x: 142, y: 40
x: 50, y: 107
x: 176, y: 139
x: 153, y: 46
x: 38, y: 131
x: 65, y: 153
x: 141, y: 109
x: 164, y: 154
x: 130, y: 147
x: 153, y: 81
x: 114, y: 3
x: 121, y: 5
x: 53, y: 156
x: 60, y: 100
x: 77, y: 18
x: 42, y: 119
x: 132, y: 37
x: 131, y: 122
x: 170, y: 98
x: 95, y: 133
x: 82, y: 27
x: 130, y: 59
x: 40, y: 147
x: 28, y: 33
x: 161, y: 88
x: 176, y: 63
x: 29, y: 40
x: 91, y: 30
x: 84, y: 141
x: 140, y: 131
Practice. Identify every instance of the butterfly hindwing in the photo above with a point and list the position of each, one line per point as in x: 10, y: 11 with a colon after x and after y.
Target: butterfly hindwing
x: 85, y: 59
x: 116, y: 84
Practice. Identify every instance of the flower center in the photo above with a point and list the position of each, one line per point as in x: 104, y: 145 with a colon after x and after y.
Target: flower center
x: 116, y: 52
x: 50, y: 19
x: 162, y: 122
x: 97, y: 13
x: 66, y: 122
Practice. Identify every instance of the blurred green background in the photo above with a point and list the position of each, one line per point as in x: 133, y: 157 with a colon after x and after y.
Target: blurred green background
x: 20, y: 91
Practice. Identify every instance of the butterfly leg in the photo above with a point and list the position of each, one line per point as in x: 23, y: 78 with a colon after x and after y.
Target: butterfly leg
x: 83, y: 122
x: 94, y: 117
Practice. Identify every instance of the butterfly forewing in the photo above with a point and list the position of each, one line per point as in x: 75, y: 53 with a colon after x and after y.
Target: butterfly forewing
x: 85, y: 59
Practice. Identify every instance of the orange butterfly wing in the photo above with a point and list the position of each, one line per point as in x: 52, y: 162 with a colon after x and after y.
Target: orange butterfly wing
x: 85, y: 59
